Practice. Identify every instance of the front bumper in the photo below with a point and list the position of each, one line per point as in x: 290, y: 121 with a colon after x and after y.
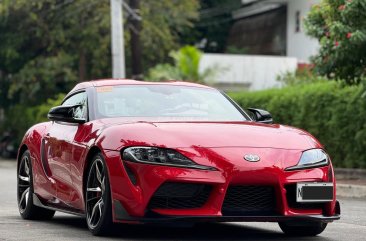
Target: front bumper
x: 131, y: 196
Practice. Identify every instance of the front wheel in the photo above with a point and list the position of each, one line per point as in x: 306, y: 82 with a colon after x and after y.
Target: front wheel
x: 302, y: 229
x: 98, y: 198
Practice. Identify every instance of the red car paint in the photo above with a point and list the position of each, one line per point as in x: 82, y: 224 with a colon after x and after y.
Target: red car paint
x: 222, y: 145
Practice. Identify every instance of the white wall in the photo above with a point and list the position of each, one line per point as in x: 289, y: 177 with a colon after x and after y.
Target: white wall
x: 299, y: 45
x: 259, y: 71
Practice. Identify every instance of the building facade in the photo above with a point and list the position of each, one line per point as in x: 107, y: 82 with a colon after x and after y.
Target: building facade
x: 273, y: 27
x: 269, y: 39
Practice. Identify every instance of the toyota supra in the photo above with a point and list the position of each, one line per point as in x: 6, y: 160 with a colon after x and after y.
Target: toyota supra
x: 125, y: 151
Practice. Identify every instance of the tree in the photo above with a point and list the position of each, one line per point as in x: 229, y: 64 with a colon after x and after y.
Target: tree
x: 46, y: 46
x: 163, y: 22
x: 339, y: 26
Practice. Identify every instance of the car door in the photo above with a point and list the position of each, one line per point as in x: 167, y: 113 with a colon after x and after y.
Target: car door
x: 59, y: 148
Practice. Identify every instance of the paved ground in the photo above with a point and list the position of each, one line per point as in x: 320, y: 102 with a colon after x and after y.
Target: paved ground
x: 352, y: 226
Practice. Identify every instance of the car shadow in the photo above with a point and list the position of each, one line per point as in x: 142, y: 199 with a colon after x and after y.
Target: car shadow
x: 204, y: 231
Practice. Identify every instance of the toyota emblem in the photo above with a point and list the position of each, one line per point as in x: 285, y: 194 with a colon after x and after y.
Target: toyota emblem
x: 251, y: 158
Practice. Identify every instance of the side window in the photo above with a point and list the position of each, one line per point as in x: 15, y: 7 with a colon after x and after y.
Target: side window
x: 78, y: 99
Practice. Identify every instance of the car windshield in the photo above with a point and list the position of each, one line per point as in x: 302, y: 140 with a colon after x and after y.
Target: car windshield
x: 166, y: 102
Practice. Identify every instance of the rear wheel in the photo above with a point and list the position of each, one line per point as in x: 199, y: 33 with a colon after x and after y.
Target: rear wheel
x: 98, y: 198
x: 302, y: 229
x: 25, y: 192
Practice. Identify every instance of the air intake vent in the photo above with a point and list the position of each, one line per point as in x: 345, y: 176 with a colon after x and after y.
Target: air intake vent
x: 180, y: 196
x: 249, y: 200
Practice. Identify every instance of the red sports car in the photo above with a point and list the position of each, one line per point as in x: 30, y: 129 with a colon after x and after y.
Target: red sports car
x: 124, y: 151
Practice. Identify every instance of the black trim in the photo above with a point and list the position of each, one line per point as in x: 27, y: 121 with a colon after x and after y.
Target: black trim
x: 270, y: 218
x: 238, y: 107
x: 303, y: 167
x: 122, y: 215
x: 72, y: 94
x: 44, y: 161
x: 37, y: 202
x: 64, y: 114
x: 197, y: 167
x: 261, y: 116
x: 119, y: 211
x: 131, y: 175
x: 338, y: 208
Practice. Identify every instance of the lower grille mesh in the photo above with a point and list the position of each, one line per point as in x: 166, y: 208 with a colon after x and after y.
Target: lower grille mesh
x: 180, y: 196
x: 249, y: 200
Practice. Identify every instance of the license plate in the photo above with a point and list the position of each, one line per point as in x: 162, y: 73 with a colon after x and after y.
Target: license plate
x: 314, y: 192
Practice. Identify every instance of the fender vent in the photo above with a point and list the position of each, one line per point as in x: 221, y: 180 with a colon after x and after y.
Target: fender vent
x: 44, y: 158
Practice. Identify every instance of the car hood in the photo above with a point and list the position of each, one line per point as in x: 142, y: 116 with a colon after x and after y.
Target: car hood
x: 205, y: 134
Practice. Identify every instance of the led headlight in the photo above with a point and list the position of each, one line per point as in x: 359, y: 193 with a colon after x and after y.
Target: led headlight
x: 310, y: 159
x: 160, y: 156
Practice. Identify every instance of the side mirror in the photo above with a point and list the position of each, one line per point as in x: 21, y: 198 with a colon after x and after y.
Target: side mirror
x: 261, y: 116
x: 65, y: 114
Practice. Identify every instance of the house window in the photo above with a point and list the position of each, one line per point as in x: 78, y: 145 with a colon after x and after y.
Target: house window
x: 297, y: 22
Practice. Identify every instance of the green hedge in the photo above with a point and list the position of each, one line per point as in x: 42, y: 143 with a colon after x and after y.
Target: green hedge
x: 333, y: 113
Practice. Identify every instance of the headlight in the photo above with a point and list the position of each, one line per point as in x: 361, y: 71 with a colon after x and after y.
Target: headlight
x: 310, y: 159
x: 160, y: 156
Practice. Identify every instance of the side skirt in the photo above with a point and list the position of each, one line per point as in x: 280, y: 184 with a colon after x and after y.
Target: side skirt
x: 38, y: 202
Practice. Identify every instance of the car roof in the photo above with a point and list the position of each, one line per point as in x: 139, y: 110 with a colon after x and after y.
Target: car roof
x: 115, y: 82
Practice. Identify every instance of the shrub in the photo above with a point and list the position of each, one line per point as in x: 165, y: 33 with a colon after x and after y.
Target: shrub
x: 186, y: 67
x: 333, y: 113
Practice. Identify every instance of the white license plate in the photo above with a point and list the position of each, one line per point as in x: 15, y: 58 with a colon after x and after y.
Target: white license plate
x: 314, y: 192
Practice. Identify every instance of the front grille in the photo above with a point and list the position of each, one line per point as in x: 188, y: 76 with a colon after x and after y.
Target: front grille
x: 291, y: 199
x: 180, y: 196
x: 249, y: 200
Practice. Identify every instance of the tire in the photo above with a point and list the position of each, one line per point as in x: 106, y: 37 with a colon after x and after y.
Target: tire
x: 25, y: 192
x: 302, y: 229
x: 98, y: 205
